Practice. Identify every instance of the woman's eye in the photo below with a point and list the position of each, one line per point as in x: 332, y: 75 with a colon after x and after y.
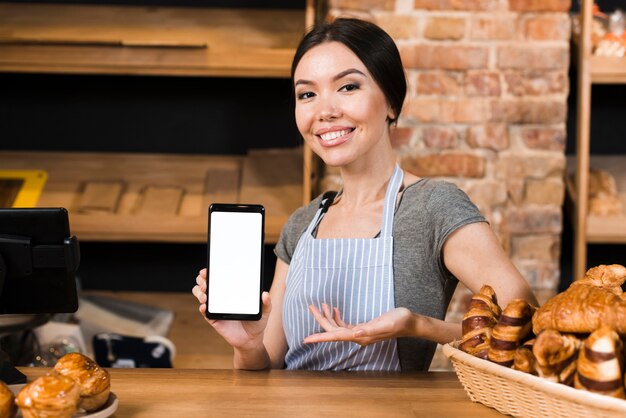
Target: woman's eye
x: 349, y: 87
x: 305, y: 95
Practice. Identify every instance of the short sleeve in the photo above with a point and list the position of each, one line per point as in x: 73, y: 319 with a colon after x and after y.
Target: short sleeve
x: 293, y: 230
x: 451, y: 209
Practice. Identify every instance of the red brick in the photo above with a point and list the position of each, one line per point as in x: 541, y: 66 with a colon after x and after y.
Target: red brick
x: 479, y: 83
x: 548, y: 191
x: 449, y: 110
x: 535, y: 220
x: 527, y: 111
x: 552, y: 139
x: 445, y: 57
x: 528, y: 57
x: 401, y: 136
x: 493, y: 136
x: 446, y: 165
x: 542, y: 275
x: 362, y: 4
x: 519, y: 166
x: 487, y: 193
x: 496, y: 28
x: 398, y: 26
x: 540, y: 5
x: 440, y: 137
x: 472, y: 5
x: 443, y: 28
x: 537, y: 83
x: 438, y: 83
x: 543, y: 247
x: 547, y: 28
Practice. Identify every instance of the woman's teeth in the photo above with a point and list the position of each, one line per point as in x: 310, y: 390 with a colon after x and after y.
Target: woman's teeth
x: 328, y: 136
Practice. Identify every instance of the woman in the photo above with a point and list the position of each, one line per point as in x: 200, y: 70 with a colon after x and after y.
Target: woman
x: 364, y: 277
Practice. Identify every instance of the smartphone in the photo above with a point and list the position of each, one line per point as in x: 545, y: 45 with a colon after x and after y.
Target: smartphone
x: 235, y: 261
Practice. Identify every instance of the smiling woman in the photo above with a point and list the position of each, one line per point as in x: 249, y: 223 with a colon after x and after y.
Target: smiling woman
x: 364, y: 275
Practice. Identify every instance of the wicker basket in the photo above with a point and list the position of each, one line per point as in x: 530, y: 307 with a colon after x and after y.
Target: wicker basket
x: 523, y: 395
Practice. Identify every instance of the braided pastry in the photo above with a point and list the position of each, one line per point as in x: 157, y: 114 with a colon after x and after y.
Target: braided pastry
x: 600, y: 364
x: 477, y: 323
x: 513, y: 327
x: 556, y: 355
x: 524, y: 360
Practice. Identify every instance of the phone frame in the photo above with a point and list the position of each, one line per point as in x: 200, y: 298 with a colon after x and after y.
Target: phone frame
x: 235, y: 207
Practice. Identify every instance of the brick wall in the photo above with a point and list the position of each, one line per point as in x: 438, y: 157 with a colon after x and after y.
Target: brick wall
x: 486, y: 109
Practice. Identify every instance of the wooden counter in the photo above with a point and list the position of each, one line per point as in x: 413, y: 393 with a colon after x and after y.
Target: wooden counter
x: 171, y: 393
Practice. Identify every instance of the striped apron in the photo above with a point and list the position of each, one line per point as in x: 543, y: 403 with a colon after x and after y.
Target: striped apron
x: 352, y: 274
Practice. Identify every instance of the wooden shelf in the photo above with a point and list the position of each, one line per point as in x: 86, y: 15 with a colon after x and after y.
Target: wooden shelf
x: 194, y: 41
x: 161, y: 197
x: 608, y: 70
x: 604, y: 229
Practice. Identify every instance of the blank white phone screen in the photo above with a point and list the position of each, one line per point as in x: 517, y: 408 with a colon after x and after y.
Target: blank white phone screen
x: 234, y: 275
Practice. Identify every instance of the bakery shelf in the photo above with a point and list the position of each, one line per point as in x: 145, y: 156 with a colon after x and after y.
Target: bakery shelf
x: 604, y: 229
x: 106, y: 39
x: 592, y: 70
x: 161, y: 197
x: 608, y: 70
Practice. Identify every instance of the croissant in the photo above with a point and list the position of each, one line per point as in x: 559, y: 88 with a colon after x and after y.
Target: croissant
x: 524, y: 360
x: 477, y: 323
x: 93, y: 381
x: 7, y: 401
x: 512, y: 329
x: 600, y: 364
x: 556, y: 355
x: 587, y: 304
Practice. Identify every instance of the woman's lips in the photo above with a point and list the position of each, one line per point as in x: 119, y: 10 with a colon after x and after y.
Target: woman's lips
x: 335, y: 137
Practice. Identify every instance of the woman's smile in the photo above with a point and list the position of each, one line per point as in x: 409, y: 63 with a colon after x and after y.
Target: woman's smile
x: 330, y: 137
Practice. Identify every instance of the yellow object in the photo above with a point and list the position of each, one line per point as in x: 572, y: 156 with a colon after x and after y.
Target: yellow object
x: 32, y: 186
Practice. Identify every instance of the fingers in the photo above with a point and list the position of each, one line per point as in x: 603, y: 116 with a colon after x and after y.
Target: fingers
x: 321, y: 318
x: 267, y: 303
x: 341, y: 334
x: 339, y: 320
x: 201, y: 281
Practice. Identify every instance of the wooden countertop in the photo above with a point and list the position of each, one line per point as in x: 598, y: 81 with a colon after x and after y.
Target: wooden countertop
x: 170, y: 393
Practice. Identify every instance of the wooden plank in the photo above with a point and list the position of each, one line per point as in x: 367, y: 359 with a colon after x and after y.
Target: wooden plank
x: 161, y: 200
x: 222, y: 185
x: 100, y: 196
x: 157, y: 40
x: 273, y: 178
x: 68, y: 173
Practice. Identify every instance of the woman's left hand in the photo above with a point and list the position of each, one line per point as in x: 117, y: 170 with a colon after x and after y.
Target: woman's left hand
x: 395, y: 323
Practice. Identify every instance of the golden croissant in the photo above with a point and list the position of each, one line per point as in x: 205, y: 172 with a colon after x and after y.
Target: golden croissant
x: 588, y: 303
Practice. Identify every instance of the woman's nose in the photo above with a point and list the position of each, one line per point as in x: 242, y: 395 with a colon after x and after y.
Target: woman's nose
x: 329, y: 110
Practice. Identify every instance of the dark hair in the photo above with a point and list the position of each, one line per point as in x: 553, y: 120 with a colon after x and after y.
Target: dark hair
x: 372, y: 45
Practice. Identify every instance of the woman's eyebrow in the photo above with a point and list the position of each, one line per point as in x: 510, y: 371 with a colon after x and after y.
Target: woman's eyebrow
x: 335, y: 78
x: 348, y: 72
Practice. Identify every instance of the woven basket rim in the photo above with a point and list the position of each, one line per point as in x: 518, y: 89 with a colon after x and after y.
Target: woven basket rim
x: 577, y: 396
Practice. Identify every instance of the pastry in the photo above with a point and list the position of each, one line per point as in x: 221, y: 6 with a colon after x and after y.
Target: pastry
x: 94, y: 382
x: 7, y: 401
x: 513, y: 328
x: 49, y: 397
x: 556, y: 355
x: 477, y: 323
x: 587, y: 304
x: 524, y: 360
x: 600, y: 364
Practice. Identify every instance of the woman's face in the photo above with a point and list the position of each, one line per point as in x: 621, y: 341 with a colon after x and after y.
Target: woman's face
x: 340, y: 110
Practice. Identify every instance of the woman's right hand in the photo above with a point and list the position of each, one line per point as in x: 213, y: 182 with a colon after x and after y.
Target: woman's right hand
x: 241, y: 335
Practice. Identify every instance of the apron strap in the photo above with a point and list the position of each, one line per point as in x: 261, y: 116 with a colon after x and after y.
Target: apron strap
x: 390, y: 201
x: 388, y: 209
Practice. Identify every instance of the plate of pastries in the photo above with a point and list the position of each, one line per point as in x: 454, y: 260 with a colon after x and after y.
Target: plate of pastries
x: 76, y: 387
x: 573, y: 341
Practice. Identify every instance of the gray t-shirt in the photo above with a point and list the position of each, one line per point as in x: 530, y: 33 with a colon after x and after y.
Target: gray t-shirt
x: 427, y: 213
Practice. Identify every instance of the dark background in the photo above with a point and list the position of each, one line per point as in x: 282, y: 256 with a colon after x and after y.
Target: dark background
x: 206, y: 115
